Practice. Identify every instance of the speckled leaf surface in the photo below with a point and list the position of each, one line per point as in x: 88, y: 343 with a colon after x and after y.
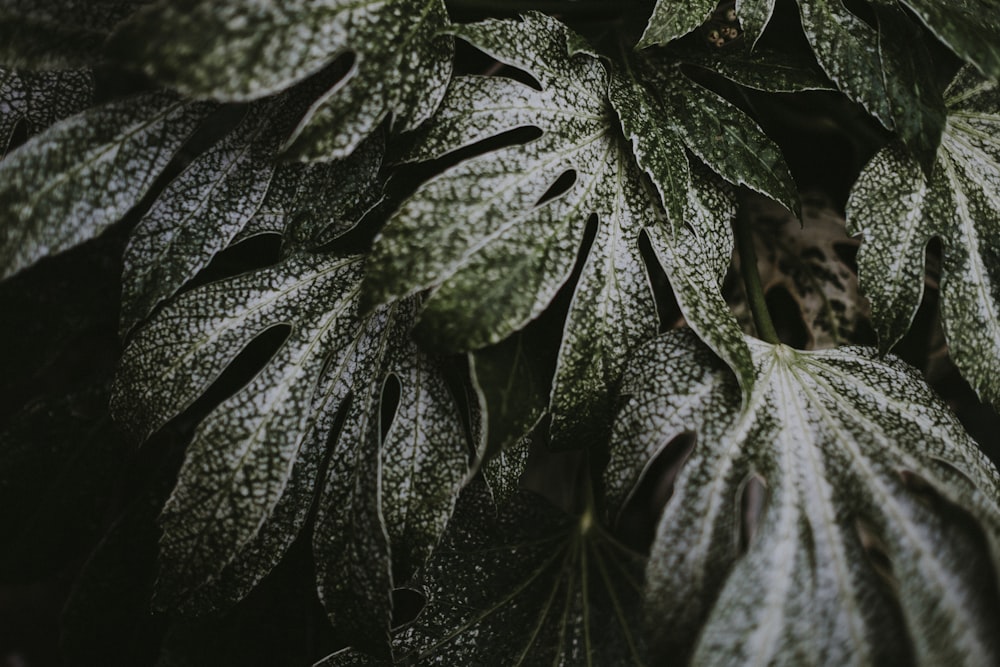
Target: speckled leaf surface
x: 527, y: 586
x: 249, y: 476
x: 695, y: 260
x: 56, y: 34
x: 847, y: 50
x: 39, y: 99
x: 864, y: 549
x: 232, y: 51
x: 84, y: 173
x: 206, y: 208
x: 720, y: 134
x: 495, y: 256
x: 897, y: 211
x: 675, y: 18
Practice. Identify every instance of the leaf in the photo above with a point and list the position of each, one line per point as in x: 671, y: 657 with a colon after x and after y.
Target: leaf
x: 918, y: 111
x: 879, y: 526
x: 530, y: 586
x: 695, y: 260
x: 495, y: 256
x: 38, y: 99
x: 675, y: 18
x: 511, y: 391
x: 802, y: 258
x: 251, y: 473
x: 231, y: 52
x: 715, y: 130
x: 898, y: 212
x: 203, y: 210
x: 57, y: 33
x: 83, y: 174
x: 968, y: 27
x: 847, y: 49
x: 765, y: 69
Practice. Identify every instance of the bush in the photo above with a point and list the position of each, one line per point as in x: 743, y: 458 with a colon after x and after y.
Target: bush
x: 434, y: 339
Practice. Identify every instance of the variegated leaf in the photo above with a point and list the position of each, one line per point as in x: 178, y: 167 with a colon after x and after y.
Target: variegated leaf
x: 209, y: 205
x: 878, y: 540
x: 712, y: 128
x: 234, y: 51
x: 495, y: 256
x: 84, y: 173
x: 897, y: 211
x: 250, y: 474
x: 530, y: 586
x: 38, y: 99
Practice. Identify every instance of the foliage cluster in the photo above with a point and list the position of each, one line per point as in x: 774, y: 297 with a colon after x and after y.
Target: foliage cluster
x: 433, y: 338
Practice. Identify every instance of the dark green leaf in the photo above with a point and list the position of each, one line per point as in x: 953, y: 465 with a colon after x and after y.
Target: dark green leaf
x: 206, y: 208
x: 528, y: 587
x: 969, y: 27
x: 232, y: 51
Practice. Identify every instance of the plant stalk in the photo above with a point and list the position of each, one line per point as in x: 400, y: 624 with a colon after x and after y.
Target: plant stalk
x: 751, y: 276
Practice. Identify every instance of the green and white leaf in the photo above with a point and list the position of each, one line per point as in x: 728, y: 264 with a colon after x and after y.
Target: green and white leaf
x: 84, y: 173
x: 57, y: 34
x: 847, y: 49
x: 696, y: 260
x: 711, y: 127
x: 249, y: 477
x: 494, y: 257
x: 898, y: 212
x: 231, y: 51
x: 863, y: 552
x: 675, y: 18
x: 207, y: 207
x: 530, y: 586
x: 39, y: 99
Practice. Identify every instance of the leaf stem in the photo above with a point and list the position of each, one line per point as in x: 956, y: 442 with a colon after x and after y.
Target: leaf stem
x: 751, y: 276
x: 581, y: 9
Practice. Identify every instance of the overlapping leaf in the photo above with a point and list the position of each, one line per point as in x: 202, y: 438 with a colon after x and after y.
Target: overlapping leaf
x: 879, y: 537
x: 84, y: 173
x: 495, y: 256
x: 885, y: 68
x: 531, y: 586
x: 251, y: 473
x: 233, y: 51
x: 58, y: 33
x: 898, y: 212
x: 38, y: 99
x: 218, y: 196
